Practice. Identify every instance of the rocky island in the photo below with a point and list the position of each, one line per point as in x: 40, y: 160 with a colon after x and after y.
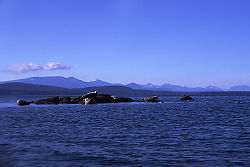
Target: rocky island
x: 90, y: 98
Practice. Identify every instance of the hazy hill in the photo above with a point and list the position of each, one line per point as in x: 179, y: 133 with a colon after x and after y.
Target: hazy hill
x: 16, y: 88
x: 174, y: 88
x: 240, y: 88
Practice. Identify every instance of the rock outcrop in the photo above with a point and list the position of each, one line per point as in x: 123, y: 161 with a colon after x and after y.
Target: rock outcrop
x: 65, y: 100
x: 23, y: 103
x: 50, y: 100
x: 151, y: 99
x: 104, y: 98
x: 89, y: 95
x: 76, y: 100
x: 89, y: 101
x: 122, y: 99
x: 186, y: 97
x: 89, y: 98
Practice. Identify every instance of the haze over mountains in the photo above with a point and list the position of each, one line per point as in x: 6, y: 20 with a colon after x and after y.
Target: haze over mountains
x: 71, y: 82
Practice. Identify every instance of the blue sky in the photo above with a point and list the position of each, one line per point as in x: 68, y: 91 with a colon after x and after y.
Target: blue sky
x: 192, y: 43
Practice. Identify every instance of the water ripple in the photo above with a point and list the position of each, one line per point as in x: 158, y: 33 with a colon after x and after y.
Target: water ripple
x: 210, y: 131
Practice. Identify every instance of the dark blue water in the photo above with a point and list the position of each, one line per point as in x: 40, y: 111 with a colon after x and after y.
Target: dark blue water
x: 209, y: 131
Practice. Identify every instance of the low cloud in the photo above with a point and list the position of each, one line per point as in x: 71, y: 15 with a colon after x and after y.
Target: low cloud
x: 55, y: 66
x: 25, y: 68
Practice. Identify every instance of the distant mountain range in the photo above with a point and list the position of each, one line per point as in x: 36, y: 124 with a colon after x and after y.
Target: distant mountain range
x: 71, y: 83
x: 18, y: 88
x: 59, y: 81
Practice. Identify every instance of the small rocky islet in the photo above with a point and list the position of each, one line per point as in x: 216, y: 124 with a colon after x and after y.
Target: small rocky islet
x: 186, y: 98
x: 93, y: 98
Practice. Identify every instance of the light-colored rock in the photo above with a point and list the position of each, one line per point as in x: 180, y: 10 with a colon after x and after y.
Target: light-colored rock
x: 151, y: 99
x: 22, y: 102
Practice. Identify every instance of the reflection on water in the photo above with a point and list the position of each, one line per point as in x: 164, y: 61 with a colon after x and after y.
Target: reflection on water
x: 209, y: 131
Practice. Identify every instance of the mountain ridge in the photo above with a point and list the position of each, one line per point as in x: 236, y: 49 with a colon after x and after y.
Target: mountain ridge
x: 17, y: 88
x: 71, y: 83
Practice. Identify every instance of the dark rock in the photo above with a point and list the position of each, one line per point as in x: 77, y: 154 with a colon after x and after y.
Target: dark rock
x: 89, y: 101
x: 81, y: 102
x: 139, y: 100
x: 186, y: 97
x: 104, y: 98
x: 76, y: 100
x: 89, y: 98
x: 65, y: 100
x: 23, y: 103
x: 151, y: 99
x: 93, y: 98
x: 122, y: 99
x: 50, y: 100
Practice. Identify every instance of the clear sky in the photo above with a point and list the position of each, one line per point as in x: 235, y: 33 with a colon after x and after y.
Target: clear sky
x: 185, y: 42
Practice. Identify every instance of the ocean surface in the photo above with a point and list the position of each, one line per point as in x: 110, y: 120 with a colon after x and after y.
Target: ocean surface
x: 209, y: 131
